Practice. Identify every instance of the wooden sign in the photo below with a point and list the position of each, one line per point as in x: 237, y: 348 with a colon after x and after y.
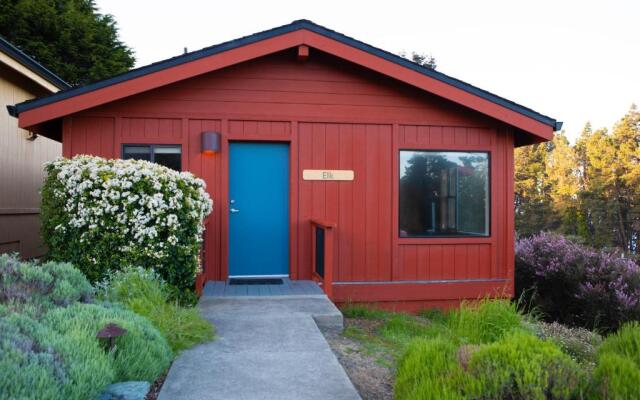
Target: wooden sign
x: 327, y: 175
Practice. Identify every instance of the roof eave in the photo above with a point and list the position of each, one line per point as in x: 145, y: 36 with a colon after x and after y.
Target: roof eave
x: 34, y: 66
x: 301, y: 25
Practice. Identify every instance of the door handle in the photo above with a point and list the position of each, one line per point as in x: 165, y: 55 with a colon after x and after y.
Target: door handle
x: 234, y: 210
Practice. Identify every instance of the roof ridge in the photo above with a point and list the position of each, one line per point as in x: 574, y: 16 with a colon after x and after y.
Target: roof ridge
x: 293, y: 26
x: 427, y: 71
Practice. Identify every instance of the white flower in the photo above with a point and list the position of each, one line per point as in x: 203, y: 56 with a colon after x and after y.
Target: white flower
x: 104, y: 195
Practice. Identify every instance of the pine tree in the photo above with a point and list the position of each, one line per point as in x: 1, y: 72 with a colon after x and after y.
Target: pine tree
x: 562, y: 177
x: 69, y: 37
x: 626, y: 169
x: 598, y: 185
x: 534, y: 211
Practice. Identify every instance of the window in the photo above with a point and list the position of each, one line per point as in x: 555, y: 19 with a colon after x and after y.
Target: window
x: 444, y: 193
x: 168, y: 155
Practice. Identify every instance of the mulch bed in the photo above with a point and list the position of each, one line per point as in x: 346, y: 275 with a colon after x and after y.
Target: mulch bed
x: 372, y: 379
x: 154, y: 391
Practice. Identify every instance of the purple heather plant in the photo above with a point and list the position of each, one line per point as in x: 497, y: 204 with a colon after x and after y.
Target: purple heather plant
x: 577, y: 285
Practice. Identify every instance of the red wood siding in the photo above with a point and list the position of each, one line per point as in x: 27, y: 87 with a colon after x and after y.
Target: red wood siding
x: 361, y: 208
x: 211, y: 170
x: 443, y: 261
x: 89, y: 135
x: 426, y: 259
x: 335, y: 116
x: 159, y: 130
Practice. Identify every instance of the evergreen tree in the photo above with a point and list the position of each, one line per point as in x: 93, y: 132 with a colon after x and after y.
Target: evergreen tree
x: 534, y: 211
x: 424, y: 59
x: 69, y: 37
x: 626, y: 180
x: 591, y: 189
x: 598, y: 187
x: 563, y: 183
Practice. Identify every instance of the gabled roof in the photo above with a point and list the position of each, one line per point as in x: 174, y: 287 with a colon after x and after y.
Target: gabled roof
x: 31, y: 64
x: 300, y: 32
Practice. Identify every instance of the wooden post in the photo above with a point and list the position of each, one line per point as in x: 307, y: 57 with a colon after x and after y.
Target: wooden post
x: 313, y: 250
x: 199, y: 283
x: 328, y: 229
x: 328, y: 261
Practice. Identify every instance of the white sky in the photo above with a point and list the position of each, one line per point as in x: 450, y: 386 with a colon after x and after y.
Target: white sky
x: 575, y: 61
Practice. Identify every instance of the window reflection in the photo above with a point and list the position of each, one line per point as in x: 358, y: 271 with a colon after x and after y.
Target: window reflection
x: 168, y: 155
x: 444, y: 193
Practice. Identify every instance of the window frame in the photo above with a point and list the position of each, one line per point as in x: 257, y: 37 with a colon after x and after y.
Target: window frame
x: 420, y: 238
x: 152, y: 147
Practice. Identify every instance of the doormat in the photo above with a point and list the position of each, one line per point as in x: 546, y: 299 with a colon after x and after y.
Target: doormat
x: 255, y: 281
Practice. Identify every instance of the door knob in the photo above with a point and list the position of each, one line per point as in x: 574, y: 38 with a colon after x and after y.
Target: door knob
x: 234, y: 210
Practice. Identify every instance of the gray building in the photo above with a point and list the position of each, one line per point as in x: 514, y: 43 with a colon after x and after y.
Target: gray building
x: 22, y: 153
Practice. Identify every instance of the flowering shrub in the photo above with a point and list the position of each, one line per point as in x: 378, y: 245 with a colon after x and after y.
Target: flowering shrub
x: 579, y: 343
x: 576, y: 285
x: 102, y: 215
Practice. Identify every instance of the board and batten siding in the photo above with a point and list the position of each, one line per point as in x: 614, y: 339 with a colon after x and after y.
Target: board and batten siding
x: 334, y: 115
x: 21, y: 171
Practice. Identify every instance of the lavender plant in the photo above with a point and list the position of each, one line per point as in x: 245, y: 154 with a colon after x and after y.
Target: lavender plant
x: 577, y: 285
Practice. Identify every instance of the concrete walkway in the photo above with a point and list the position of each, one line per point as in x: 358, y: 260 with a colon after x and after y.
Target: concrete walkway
x: 266, y: 348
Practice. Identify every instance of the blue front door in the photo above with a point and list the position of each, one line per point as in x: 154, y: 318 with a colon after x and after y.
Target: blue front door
x: 258, y: 209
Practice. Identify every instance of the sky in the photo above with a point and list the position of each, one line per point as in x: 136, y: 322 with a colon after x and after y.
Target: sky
x: 575, y: 61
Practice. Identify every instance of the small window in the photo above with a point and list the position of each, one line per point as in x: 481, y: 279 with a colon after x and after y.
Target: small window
x: 444, y: 193
x: 168, y: 155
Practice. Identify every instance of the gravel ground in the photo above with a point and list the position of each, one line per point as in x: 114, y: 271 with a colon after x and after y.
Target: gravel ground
x: 372, y: 379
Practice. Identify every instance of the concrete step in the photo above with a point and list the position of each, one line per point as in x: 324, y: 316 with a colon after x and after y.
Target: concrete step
x: 319, y: 307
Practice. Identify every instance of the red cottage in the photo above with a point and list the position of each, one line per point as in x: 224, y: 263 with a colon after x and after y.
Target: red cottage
x: 327, y: 159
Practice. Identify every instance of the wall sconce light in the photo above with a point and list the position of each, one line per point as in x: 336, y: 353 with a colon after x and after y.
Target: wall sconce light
x: 210, y: 143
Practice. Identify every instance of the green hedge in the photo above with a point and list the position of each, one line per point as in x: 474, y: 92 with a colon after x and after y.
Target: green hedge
x: 625, y: 343
x: 140, y: 354
x: 485, y: 350
x: 48, y: 344
x: 33, y: 288
x: 617, y: 375
x: 488, y: 350
x: 102, y: 215
x: 518, y: 366
x: 144, y: 292
x: 521, y: 366
x: 39, y: 363
x: 616, y: 378
x: 429, y: 370
x: 484, y: 321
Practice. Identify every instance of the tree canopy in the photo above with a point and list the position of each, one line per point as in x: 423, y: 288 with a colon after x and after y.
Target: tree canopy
x: 69, y: 37
x: 590, y: 190
x: 424, y: 59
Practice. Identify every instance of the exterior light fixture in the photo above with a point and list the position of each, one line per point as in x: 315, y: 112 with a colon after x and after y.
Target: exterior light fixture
x: 210, y: 143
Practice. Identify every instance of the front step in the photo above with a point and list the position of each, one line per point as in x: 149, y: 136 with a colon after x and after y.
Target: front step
x: 287, y: 288
x: 326, y: 315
